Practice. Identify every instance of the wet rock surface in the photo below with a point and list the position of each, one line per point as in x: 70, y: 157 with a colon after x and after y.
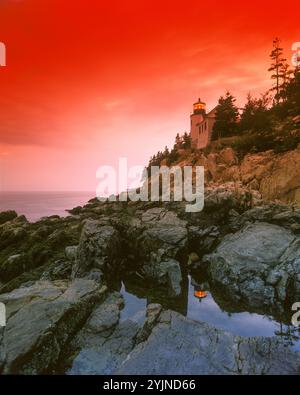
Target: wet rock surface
x: 98, y: 247
x: 205, y: 350
x: 259, y: 264
x: 58, y: 275
x: 40, y: 320
x: 104, y: 342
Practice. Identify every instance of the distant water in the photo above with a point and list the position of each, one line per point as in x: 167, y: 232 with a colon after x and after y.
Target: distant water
x: 35, y: 205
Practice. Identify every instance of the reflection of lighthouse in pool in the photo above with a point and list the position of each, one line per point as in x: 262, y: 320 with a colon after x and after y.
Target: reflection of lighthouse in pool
x: 199, y: 293
x: 200, y: 290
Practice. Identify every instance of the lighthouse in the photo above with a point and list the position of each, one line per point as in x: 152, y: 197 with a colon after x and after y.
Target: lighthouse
x: 201, y: 124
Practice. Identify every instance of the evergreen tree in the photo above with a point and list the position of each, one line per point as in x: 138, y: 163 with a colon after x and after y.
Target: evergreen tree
x: 166, y: 153
x: 285, y: 73
x: 173, y: 157
x: 186, y: 141
x: 255, y: 115
x: 293, y: 94
x: 159, y: 157
x: 279, y: 69
x: 178, y: 141
x: 226, y: 117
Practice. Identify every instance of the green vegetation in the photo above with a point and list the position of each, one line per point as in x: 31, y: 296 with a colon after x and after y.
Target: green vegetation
x: 264, y: 123
x: 277, y: 140
x: 182, y: 142
x: 226, y: 117
x: 280, y: 70
x: 255, y: 114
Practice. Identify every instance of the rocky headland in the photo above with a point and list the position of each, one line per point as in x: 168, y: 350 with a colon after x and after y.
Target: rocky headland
x: 60, y: 278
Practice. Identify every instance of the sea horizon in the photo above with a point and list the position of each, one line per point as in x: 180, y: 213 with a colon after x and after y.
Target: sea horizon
x: 38, y: 204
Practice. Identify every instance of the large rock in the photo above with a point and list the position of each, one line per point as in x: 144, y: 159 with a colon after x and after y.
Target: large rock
x: 178, y: 345
x: 104, y: 342
x: 160, y: 246
x: 277, y: 176
x: 228, y: 157
x: 256, y: 166
x: 14, y: 265
x: 58, y: 270
x: 278, y: 214
x: 222, y: 166
x: 258, y: 264
x: 221, y: 197
x: 166, y: 273
x: 13, y: 231
x: 41, y: 319
x: 105, y: 355
x: 25, y: 246
x: 105, y: 317
x: 283, y: 183
x: 7, y: 216
x: 164, y: 228
x: 98, y: 247
x: 274, y: 176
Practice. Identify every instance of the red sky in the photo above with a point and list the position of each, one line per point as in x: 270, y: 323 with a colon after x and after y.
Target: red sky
x: 89, y: 81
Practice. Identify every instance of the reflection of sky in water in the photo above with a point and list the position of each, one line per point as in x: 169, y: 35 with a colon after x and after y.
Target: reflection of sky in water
x: 242, y: 324
x: 134, y: 309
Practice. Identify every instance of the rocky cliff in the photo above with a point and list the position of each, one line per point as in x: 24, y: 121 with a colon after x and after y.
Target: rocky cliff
x: 276, y: 177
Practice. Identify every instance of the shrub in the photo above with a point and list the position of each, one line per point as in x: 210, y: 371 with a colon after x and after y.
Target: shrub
x: 277, y: 140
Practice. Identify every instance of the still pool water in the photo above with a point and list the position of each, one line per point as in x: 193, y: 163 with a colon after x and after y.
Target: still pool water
x: 207, y: 310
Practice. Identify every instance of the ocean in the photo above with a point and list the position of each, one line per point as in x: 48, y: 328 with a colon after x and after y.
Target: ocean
x: 35, y: 205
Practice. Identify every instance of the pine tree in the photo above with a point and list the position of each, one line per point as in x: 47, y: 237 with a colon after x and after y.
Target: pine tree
x: 173, y: 156
x: 279, y: 69
x: 285, y: 75
x: 178, y: 141
x: 226, y: 117
x: 186, y: 141
x: 293, y: 94
x: 166, y: 152
x: 255, y: 115
x: 153, y: 160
